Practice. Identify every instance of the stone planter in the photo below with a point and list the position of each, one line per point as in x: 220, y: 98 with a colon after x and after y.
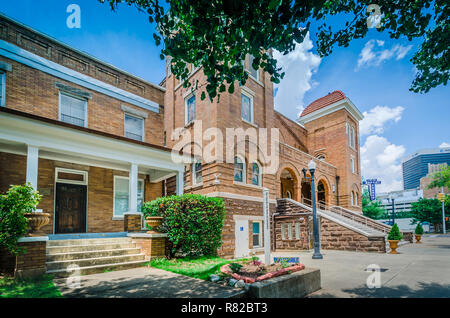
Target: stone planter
x: 154, y: 222
x: 36, y: 220
x: 393, y: 244
x: 418, y: 237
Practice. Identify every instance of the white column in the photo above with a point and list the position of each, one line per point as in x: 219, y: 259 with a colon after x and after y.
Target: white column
x: 32, y: 165
x: 133, y: 184
x: 180, y: 182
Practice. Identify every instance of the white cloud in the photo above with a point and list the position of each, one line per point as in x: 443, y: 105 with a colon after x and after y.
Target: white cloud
x: 299, y: 66
x: 375, y: 119
x: 444, y: 145
x: 370, y: 56
x: 380, y: 159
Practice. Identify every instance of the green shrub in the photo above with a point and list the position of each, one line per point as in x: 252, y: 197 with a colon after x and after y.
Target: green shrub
x: 395, y: 233
x: 235, y: 267
x: 419, y: 229
x: 193, y: 223
x: 19, y: 199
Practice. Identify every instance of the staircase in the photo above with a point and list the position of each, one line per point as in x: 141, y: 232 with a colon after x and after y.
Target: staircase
x: 95, y: 255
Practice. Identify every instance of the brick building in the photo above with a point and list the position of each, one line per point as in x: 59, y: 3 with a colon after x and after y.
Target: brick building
x: 96, y: 142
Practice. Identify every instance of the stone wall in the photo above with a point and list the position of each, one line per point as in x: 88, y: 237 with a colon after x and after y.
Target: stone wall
x: 334, y: 236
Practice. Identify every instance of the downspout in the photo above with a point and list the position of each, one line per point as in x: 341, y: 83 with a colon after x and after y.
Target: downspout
x: 337, y: 190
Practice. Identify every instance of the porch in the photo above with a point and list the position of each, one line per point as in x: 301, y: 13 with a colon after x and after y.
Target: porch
x: 89, y: 180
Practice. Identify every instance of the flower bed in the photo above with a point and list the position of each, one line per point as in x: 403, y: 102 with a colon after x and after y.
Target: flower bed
x: 255, y: 271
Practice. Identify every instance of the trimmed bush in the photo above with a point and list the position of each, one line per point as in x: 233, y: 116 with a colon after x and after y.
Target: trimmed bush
x: 193, y: 223
x: 395, y: 233
x: 19, y: 199
x: 419, y: 229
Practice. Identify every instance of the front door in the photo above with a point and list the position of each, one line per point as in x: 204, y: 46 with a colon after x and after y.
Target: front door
x: 70, y: 212
x: 241, y: 238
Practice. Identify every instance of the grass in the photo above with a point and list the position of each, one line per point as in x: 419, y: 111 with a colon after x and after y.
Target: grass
x: 201, y: 267
x: 41, y: 287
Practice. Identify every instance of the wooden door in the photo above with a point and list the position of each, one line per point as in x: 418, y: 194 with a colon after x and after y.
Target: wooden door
x: 70, y: 212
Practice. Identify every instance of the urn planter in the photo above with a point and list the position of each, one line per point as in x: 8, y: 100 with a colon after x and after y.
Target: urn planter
x: 418, y: 238
x: 154, y: 222
x: 36, y: 220
x: 393, y: 244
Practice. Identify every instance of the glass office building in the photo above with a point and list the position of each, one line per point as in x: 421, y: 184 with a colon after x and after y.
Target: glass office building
x: 416, y: 166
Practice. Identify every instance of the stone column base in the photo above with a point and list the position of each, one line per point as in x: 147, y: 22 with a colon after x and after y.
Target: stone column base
x: 152, y: 245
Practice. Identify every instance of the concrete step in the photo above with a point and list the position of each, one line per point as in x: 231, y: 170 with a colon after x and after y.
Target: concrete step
x: 87, y: 262
x: 87, y: 270
x: 115, y: 240
x: 91, y: 254
x: 86, y: 248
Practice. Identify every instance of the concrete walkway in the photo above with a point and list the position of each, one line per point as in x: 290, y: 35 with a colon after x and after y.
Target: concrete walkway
x: 144, y: 282
x: 420, y: 270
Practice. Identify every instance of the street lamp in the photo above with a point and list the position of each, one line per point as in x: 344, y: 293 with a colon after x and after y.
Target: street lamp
x: 312, y: 169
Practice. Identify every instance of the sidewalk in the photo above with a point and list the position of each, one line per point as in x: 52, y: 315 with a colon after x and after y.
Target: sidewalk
x: 145, y: 282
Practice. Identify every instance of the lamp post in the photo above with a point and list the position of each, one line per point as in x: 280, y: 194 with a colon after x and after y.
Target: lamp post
x: 316, y: 255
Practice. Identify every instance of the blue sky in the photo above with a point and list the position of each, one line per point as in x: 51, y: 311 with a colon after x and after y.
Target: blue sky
x: 402, y: 123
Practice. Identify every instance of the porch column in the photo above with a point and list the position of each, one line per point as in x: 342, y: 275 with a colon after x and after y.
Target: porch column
x: 32, y: 165
x: 133, y: 184
x: 180, y: 182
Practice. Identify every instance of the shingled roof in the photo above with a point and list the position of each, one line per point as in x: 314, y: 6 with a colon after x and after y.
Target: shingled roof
x: 322, y: 102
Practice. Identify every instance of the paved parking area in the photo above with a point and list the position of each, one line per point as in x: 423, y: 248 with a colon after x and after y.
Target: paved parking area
x: 420, y: 270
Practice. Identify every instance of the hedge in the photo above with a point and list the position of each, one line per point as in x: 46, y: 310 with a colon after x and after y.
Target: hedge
x: 193, y: 223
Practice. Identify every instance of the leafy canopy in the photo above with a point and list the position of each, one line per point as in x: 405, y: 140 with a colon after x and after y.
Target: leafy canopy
x: 371, y: 209
x: 429, y: 210
x: 440, y: 179
x: 218, y: 34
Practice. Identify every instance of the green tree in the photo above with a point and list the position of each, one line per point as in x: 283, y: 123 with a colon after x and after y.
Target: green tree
x: 217, y: 34
x: 440, y: 179
x: 371, y: 209
x: 428, y: 210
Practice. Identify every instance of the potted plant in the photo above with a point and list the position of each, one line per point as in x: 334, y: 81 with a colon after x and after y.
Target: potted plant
x: 418, y: 231
x: 393, y: 237
x: 153, y: 217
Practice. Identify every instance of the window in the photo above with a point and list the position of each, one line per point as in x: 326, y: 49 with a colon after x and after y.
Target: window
x: 250, y: 68
x: 256, y: 234
x: 355, y: 196
x: 297, y: 230
x: 239, y: 169
x: 256, y: 174
x: 246, y: 107
x: 283, y: 231
x: 197, y: 173
x: 2, y: 88
x: 189, y: 109
x: 122, y: 195
x: 134, y: 127
x: 289, y: 226
x: 353, y: 138
x: 73, y: 110
x: 352, y: 198
x: 288, y: 194
x: 321, y: 157
x: 352, y: 164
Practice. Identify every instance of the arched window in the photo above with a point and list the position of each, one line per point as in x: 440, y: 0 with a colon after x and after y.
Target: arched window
x: 356, y: 198
x: 352, y: 198
x: 256, y: 174
x: 288, y: 195
x: 239, y: 169
x: 321, y: 157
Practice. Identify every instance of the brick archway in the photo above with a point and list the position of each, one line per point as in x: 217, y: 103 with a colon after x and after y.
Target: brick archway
x: 288, y: 181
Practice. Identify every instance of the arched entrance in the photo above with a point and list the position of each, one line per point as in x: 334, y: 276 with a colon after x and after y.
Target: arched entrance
x: 289, y: 184
x: 322, y: 193
x: 306, y: 191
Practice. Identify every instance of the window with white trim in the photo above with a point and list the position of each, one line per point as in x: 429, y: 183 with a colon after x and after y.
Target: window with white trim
x: 246, y: 107
x: 134, y: 127
x: 353, y: 138
x: 256, y: 174
x: 254, y: 73
x: 197, y: 173
x: 239, y: 169
x: 72, y: 110
x: 189, y: 109
x: 2, y: 88
x: 122, y: 195
x: 257, y: 237
x: 297, y: 230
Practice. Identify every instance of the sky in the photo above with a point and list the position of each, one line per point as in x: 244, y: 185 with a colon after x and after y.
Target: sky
x: 374, y: 72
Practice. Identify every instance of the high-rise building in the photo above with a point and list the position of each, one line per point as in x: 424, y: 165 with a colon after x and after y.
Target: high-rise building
x: 415, y: 166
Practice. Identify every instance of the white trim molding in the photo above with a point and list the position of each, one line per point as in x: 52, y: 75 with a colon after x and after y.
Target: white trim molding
x: 341, y: 104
